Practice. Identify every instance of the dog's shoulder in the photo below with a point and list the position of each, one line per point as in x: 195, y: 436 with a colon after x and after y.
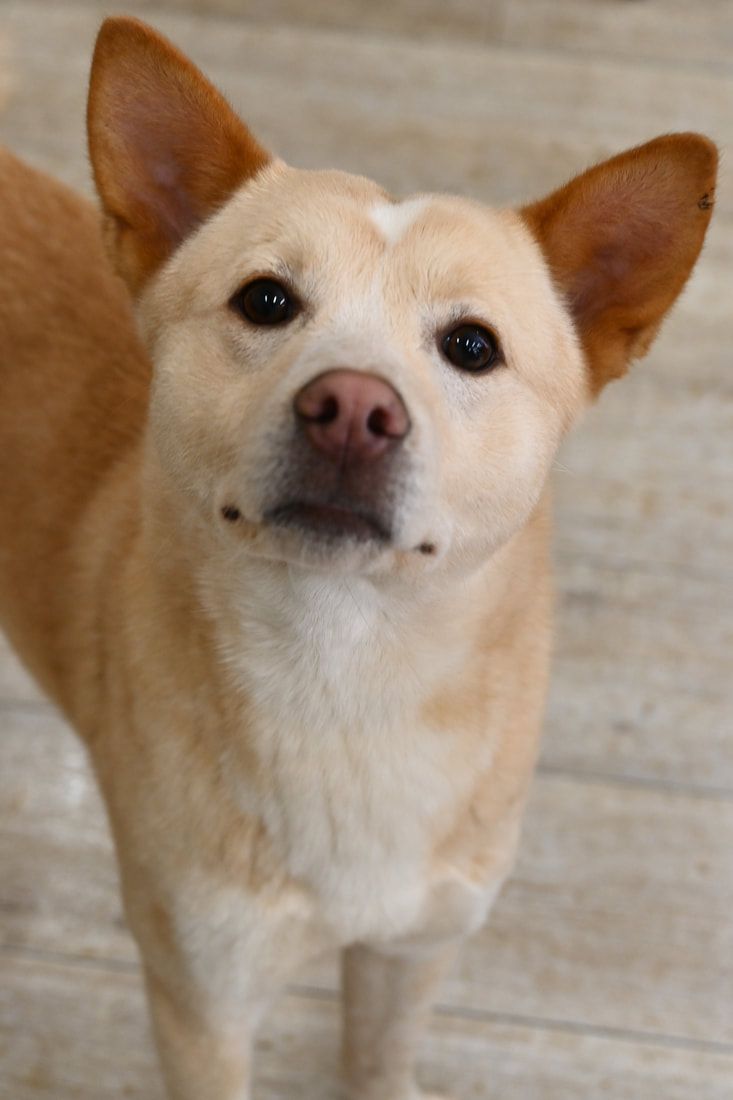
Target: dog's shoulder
x: 74, y: 380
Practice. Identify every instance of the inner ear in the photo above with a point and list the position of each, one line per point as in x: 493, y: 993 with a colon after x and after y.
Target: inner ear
x: 166, y: 148
x: 621, y: 241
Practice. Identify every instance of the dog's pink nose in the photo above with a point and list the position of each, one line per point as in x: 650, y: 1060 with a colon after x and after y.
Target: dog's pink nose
x: 351, y: 416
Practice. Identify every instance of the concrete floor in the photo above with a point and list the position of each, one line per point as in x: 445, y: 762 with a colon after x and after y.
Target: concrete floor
x: 607, y: 967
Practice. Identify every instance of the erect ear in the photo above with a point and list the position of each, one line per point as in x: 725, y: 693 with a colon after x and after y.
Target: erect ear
x: 166, y: 148
x: 621, y: 241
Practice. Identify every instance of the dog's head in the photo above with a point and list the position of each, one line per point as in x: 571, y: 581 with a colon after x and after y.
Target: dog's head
x: 346, y: 380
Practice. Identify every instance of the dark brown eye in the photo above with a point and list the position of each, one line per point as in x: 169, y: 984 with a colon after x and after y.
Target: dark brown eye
x: 265, y: 302
x: 471, y: 348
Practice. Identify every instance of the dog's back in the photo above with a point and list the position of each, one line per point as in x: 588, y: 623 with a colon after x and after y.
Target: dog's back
x: 73, y: 393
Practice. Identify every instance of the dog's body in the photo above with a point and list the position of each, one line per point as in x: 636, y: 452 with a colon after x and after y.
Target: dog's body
x: 314, y: 723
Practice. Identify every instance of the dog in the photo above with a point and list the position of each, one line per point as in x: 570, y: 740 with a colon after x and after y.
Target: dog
x: 275, y: 537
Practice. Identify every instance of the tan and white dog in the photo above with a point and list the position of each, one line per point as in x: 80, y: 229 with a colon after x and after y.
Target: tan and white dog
x: 283, y: 562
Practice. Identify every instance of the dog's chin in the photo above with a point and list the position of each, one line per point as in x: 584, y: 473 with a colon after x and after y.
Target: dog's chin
x: 341, y: 538
x: 317, y: 535
x: 332, y: 524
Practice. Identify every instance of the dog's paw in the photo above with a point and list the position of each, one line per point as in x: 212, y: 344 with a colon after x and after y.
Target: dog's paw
x: 415, y: 1094
x: 379, y: 1093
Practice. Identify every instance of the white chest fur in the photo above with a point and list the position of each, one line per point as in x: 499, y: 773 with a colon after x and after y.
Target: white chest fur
x: 358, y: 786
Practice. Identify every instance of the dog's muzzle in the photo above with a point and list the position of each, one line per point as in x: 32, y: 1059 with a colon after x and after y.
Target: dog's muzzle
x: 342, y: 467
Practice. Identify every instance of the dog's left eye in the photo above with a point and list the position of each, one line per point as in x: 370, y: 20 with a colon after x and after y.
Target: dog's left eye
x: 471, y: 348
x: 265, y: 302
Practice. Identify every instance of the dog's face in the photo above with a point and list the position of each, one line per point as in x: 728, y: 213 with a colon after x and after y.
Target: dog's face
x: 342, y: 379
x: 350, y: 382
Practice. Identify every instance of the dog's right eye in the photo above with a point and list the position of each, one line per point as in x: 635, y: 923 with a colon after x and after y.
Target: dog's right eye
x: 265, y: 302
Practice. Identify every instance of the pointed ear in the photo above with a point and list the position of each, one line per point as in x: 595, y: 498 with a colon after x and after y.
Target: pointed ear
x: 621, y: 241
x: 166, y: 148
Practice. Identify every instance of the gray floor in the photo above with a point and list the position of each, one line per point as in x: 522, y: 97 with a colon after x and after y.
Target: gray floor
x: 607, y: 968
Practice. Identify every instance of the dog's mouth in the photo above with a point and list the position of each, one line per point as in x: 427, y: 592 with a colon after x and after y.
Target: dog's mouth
x: 328, y: 522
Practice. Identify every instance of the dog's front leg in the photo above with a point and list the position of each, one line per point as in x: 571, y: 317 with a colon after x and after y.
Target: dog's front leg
x: 387, y: 998
x: 201, y: 1058
x: 214, y: 957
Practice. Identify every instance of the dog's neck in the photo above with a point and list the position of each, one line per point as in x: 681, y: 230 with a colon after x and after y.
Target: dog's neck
x: 343, y: 650
x: 329, y: 648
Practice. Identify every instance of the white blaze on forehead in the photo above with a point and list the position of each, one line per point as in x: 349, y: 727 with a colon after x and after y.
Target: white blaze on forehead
x: 393, y: 219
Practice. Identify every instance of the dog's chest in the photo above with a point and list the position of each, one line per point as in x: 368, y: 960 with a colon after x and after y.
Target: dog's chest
x: 357, y: 785
x: 356, y: 829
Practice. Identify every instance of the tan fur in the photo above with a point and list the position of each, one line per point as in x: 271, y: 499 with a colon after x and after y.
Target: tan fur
x: 300, y: 748
x: 623, y: 270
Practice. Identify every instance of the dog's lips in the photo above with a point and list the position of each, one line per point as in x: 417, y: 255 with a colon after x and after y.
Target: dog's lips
x: 328, y: 521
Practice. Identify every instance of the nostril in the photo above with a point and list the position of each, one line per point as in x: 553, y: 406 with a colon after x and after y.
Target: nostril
x: 388, y: 421
x: 379, y: 421
x: 317, y: 407
x: 328, y: 411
